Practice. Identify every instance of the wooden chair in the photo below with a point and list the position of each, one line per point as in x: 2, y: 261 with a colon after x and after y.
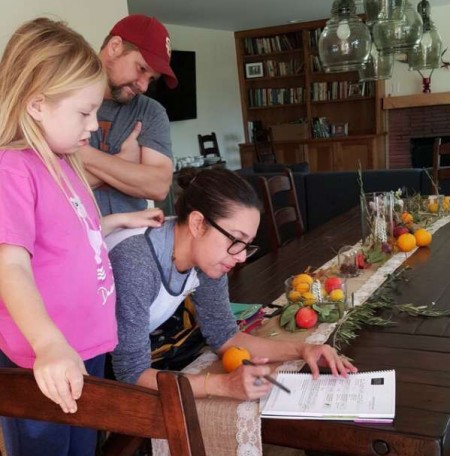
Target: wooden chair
x: 282, y: 212
x: 440, y: 172
x: 262, y: 140
x: 208, y: 145
x: 131, y: 413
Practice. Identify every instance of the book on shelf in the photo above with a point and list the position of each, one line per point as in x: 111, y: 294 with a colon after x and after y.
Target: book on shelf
x: 272, y: 44
x: 321, y: 127
x: 362, y: 397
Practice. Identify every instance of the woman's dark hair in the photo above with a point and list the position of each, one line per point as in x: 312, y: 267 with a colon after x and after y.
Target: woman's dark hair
x: 213, y: 192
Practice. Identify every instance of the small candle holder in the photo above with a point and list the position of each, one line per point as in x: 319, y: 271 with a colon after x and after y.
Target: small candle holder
x: 347, y: 261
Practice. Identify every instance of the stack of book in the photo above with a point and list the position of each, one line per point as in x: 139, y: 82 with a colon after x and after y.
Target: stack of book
x: 320, y: 127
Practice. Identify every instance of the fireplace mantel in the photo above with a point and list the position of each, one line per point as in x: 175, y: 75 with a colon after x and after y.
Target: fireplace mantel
x: 417, y: 100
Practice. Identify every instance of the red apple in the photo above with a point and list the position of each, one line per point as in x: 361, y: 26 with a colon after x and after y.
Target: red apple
x: 306, y: 317
x: 399, y: 230
x: 332, y: 283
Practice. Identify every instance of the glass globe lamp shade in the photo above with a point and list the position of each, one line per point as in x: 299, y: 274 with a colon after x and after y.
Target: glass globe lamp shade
x: 344, y: 44
x: 378, y: 67
x: 427, y: 55
x: 383, y: 9
x: 398, y: 36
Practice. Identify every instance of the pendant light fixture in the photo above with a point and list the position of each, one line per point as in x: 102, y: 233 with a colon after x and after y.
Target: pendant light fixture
x: 379, y: 66
x: 427, y: 55
x: 397, y: 35
x: 345, y: 42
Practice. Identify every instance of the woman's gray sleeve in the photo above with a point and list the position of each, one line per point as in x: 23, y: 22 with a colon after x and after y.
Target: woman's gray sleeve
x: 137, y: 284
x: 214, y: 313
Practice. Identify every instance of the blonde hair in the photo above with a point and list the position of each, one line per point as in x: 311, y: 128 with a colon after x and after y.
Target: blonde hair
x: 43, y: 57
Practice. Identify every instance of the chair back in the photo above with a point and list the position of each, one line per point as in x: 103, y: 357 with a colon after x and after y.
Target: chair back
x: 208, y: 145
x: 262, y: 140
x: 131, y: 413
x: 440, y: 172
x: 282, y: 212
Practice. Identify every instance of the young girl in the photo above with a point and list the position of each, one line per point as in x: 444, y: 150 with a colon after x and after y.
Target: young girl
x: 57, y: 294
x: 217, y: 219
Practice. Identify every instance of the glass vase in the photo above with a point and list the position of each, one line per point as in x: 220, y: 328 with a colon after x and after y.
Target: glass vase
x: 377, y: 218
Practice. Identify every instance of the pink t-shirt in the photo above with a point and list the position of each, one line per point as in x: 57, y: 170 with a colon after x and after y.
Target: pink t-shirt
x: 68, y: 256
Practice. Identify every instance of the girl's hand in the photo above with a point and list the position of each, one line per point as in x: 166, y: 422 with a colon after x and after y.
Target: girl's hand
x: 140, y: 219
x: 244, y: 383
x: 59, y: 371
x: 325, y: 355
x: 148, y: 217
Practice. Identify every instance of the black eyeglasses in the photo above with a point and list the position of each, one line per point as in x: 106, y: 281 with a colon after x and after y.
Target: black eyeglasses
x: 237, y: 246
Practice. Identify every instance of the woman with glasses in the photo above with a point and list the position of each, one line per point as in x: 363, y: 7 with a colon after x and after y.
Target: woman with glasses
x: 218, y: 214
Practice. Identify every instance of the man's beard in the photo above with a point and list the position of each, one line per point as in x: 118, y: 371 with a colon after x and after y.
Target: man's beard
x: 119, y: 95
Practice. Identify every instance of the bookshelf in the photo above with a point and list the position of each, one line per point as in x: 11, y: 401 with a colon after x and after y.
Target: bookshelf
x: 281, y: 81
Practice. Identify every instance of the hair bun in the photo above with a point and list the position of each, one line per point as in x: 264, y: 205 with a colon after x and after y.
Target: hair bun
x: 186, y: 176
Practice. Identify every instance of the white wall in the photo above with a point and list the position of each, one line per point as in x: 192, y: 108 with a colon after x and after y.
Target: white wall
x: 406, y: 82
x: 218, y: 98
x: 92, y: 18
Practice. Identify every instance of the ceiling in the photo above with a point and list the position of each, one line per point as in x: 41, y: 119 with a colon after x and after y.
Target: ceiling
x: 239, y: 14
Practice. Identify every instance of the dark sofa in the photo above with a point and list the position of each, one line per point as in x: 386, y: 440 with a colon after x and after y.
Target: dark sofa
x: 323, y: 196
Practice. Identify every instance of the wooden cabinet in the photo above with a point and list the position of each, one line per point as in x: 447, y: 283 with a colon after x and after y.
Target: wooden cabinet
x: 343, y: 155
x: 281, y: 82
x: 337, y: 154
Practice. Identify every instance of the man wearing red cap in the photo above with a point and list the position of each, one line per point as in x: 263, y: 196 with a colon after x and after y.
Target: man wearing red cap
x: 129, y: 159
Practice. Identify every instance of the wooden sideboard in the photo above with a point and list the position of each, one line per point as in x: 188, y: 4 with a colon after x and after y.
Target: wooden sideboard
x: 328, y: 154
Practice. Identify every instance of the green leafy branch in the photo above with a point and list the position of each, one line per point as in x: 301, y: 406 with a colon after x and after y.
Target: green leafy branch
x: 366, y: 314
x: 422, y: 311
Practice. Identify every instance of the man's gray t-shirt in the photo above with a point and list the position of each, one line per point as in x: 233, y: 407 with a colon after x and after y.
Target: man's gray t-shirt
x: 140, y: 264
x: 116, y: 122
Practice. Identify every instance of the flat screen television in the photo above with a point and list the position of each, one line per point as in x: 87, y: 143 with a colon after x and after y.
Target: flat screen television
x: 181, y: 102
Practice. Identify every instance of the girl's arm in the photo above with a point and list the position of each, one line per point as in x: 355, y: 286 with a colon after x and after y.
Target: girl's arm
x: 148, y: 217
x: 58, y: 368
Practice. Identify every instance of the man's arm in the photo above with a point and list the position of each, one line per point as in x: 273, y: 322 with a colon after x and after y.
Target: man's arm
x: 150, y: 179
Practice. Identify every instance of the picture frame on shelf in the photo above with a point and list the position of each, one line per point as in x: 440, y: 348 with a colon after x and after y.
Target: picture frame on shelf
x: 254, y: 70
x: 339, y: 129
x: 356, y: 89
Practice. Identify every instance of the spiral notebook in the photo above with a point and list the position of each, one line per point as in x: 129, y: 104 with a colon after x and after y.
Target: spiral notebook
x: 362, y: 397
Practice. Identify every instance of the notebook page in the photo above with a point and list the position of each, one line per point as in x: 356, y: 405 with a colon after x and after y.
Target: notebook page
x: 361, y: 395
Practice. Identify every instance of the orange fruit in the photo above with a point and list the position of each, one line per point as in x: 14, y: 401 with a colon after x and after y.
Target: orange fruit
x: 423, y: 237
x: 301, y: 287
x: 336, y: 295
x: 308, y: 299
x: 233, y: 357
x: 294, y: 296
x: 406, y: 242
x: 433, y: 208
x: 300, y: 278
x: 407, y: 217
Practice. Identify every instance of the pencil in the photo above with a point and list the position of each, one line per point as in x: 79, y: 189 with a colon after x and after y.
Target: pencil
x: 270, y: 379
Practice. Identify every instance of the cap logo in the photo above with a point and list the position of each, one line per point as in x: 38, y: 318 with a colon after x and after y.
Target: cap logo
x: 168, y: 47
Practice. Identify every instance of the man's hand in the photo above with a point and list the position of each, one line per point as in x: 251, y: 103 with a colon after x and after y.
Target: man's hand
x: 130, y: 149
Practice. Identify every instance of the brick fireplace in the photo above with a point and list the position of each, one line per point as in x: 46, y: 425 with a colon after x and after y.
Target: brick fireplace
x: 418, y: 116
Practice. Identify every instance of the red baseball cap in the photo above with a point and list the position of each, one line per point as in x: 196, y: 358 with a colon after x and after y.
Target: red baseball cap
x: 152, y: 40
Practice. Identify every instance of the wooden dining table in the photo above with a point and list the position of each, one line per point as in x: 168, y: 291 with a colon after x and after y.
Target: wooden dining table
x: 417, y: 348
